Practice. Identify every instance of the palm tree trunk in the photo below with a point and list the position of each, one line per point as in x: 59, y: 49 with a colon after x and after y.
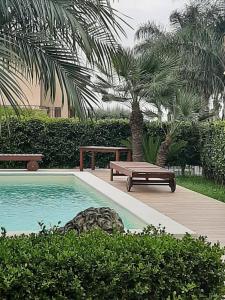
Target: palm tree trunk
x: 163, y: 151
x: 223, y: 110
x: 136, y: 124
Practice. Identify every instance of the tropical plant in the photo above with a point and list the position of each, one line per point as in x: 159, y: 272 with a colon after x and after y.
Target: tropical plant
x: 50, y: 42
x: 151, y: 147
x: 138, y: 80
x: 184, y: 106
x: 198, y: 38
x: 200, y: 34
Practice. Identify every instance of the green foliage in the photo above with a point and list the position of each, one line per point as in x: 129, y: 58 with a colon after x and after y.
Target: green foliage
x: 59, y: 140
x: 111, y: 113
x: 152, y: 265
x: 197, y: 41
x: 24, y: 113
x: 150, y: 148
x: 203, y: 186
x: 188, y: 134
x: 50, y: 42
x: 213, y: 149
x: 176, y: 151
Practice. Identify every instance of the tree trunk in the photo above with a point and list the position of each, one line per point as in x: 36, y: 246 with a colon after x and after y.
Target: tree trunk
x: 223, y: 110
x: 163, y: 151
x: 136, y: 124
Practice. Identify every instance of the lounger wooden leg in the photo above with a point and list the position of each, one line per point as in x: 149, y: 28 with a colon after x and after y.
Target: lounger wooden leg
x: 129, y: 183
x: 129, y: 156
x: 81, y: 160
x: 172, y: 185
x: 117, y: 158
x: 32, y: 165
x: 111, y: 174
x: 93, y: 160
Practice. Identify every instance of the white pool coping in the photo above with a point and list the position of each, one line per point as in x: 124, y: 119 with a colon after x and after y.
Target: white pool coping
x: 144, y: 212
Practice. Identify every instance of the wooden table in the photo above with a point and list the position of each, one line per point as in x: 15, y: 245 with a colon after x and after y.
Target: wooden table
x: 100, y: 149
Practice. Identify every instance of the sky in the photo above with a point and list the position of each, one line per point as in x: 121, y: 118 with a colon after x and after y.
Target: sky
x: 141, y: 11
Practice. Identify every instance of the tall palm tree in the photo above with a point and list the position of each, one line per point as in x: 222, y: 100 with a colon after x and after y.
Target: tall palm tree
x: 200, y: 33
x: 137, y: 80
x: 198, y: 37
x: 51, y: 41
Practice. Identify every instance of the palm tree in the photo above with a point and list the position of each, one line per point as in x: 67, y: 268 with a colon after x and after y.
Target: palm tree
x: 200, y: 33
x: 183, y: 106
x: 51, y: 41
x: 138, y: 80
x: 198, y: 38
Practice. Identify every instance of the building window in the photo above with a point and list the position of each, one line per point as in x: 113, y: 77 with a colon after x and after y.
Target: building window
x: 57, y: 112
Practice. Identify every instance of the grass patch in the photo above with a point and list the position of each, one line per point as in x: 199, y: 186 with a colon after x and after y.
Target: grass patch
x: 203, y: 186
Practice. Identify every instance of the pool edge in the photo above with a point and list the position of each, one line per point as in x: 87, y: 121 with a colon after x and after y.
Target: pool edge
x: 144, y: 212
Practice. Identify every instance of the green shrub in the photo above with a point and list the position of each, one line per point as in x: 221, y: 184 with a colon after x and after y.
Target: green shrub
x: 59, y: 140
x: 100, y: 266
x: 24, y: 113
x: 213, y: 151
x: 190, y: 154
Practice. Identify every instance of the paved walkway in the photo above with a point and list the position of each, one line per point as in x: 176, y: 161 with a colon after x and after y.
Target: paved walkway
x: 204, y: 215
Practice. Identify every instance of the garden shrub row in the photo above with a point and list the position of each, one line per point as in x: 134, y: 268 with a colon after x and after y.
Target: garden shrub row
x: 99, y: 266
x: 213, y: 151
x: 59, y: 140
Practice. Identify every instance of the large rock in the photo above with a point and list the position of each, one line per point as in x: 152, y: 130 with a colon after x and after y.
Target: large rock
x: 104, y: 217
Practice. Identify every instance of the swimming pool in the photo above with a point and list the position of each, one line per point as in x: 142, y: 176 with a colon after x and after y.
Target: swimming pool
x: 27, y: 198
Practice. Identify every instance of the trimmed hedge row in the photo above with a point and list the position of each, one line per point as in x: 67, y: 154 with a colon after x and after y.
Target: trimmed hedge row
x: 59, y: 140
x: 99, y: 266
x: 213, y: 151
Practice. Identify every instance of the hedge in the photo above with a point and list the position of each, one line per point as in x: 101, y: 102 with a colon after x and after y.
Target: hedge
x: 99, y: 266
x: 213, y: 151
x: 59, y: 140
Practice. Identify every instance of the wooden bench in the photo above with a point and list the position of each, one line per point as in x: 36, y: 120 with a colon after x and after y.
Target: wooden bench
x: 102, y: 149
x: 31, y: 159
x: 142, y: 173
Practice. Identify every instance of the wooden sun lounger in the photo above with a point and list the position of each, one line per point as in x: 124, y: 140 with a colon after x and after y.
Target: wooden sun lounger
x: 31, y: 159
x: 142, y: 173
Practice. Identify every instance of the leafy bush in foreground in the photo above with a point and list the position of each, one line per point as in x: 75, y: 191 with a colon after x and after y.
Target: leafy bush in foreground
x: 101, y: 266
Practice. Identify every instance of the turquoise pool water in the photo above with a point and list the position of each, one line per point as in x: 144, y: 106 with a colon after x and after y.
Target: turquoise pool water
x: 26, y: 200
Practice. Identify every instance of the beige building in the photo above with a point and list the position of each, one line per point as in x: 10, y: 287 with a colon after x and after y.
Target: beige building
x: 36, y: 100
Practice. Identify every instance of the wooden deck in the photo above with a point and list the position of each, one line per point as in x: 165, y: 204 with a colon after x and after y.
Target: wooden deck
x: 202, y: 214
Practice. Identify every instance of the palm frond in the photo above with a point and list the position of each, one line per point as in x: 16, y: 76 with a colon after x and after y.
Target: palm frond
x: 54, y: 39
